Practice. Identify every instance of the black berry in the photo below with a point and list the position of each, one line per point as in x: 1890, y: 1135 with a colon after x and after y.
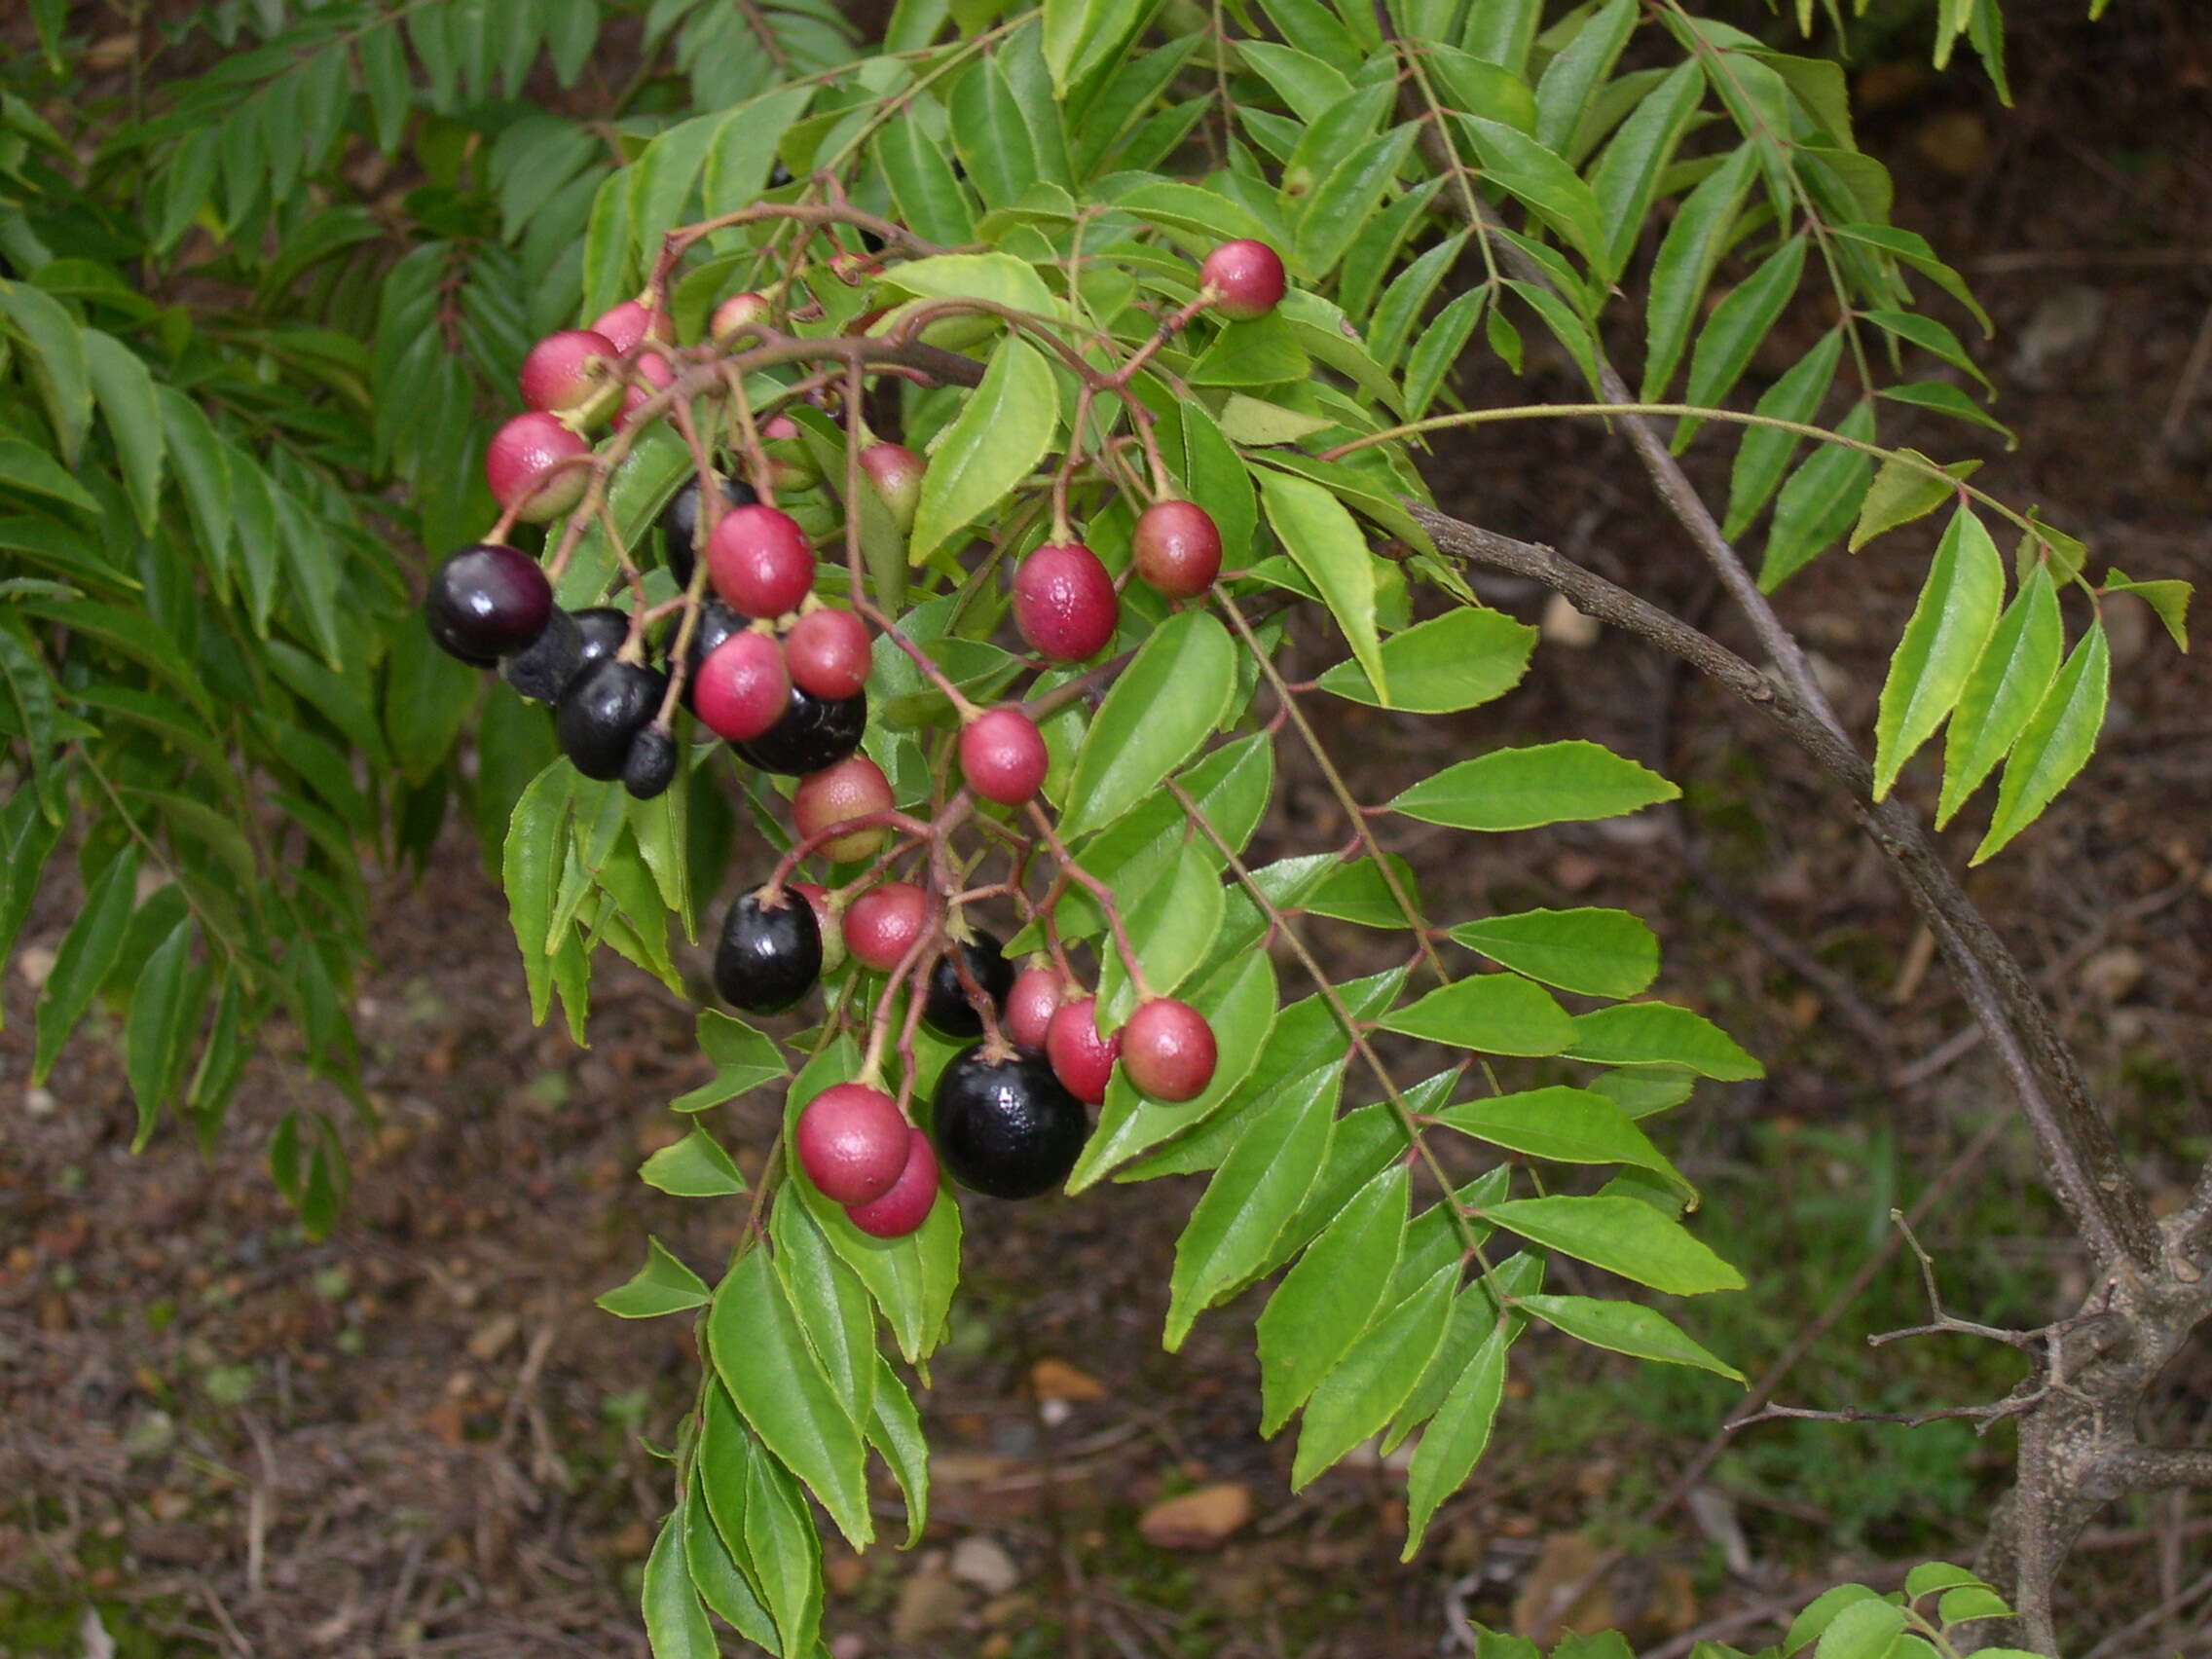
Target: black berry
x: 767, y: 957
x: 541, y: 668
x: 652, y: 765
x: 946, y: 1006
x: 680, y: 524
x: 487, y: 602
x: 602, y: 710
x: 1006, y: 1128
x: 815, y: 732
x: 601, y: 632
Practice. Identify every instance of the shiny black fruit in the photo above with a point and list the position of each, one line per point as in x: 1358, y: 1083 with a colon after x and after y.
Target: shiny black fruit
x: 602, y: 710
x: 487, y: 602
x: 599, y: 634
x: 767, y: 958
x: 651, y: 765
x: 947, y: 1007
x: 680, y: 524
x: 815, y: 732
x: 541, y: 668
x: 1006, y: 1128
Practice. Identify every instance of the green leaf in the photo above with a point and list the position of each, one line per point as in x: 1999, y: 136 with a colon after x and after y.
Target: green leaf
x: 1905, y: 489
x: 1725, y: 346
x: 998, y: 277
x: 1576, y: 71
x: 1967, y: 1602
x: 676, y: 1624
x: 764, y: 1521
x: 1930, y: 336
x: 53, y: 360
x: 530, y: 873
x: 1251, y: 1197
x: 1002, y: 430
x: 1345, y: 201
x: 1956, y: 613
x: 428, y: 698
x: 2168, y: 601
x: 744, y: 1059
x: 2056, y: 743
x: 1517, y: 164
x: 1161, y: 706
x: 1359, y: 1396
x: 1819, y: 502
x: 1172, y: 927
x: 1821, y: 1612
x: 1621, y: 1236
x: 1326, y: 542
x: 1436, y: 352
x: 1627, y: 173
x: 1567, y: 1126
x: 1947, y: 400
x: 1522, y: 788
x: 663, y: 1285
x: 1652, y: 1033
x: 993, y: 139
x: 1688, y: 257
x: 1864, y: 1630
x: 923, y: 186
x: 1454, y: 1443
x: 780, y: 1389
x: 1931, y: 1576
x: 1304, y: 83
x: 1595, y: 952
x: 28, y: 839
x: 694, y: 1167
x: 88, y: 951
x: 165, y: 1012
x: 1492, y: 1014
x: 1359, y: 893
x: 722, y: 1583
x: 133, y: 411
x: 895, y: 1431
x: 1625, y: 1327
x: 1766, y: 451
x: 832, y: 1308
x: 2010, y: 678
x: 1329, y: 1298
x: 33, y: 472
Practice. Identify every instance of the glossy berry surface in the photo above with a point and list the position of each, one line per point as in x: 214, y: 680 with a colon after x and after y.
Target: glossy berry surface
x: 852, y: 787
x: 1006, y: 1127
x: 486, y: 602
x: 896, y: 473
x: 907, y: 1205
x: 1247, y: 275
x: 945, y: 1005
x: 1030, y: 1004
x: 1002, y: 755
x: 827, y: 654
x: 601, y: 710
x: 767, y: 956
x: 814, y: 733
x: 1063, y: 602
x: 735, y: 320
x: 522, y: 467
x: 817, y: 898
x: 680, y: 523
x: 568, y: 372
x: 1167, y: 1051
x: 760, y: 561
x: 883, y: 923
x: 852, y: 1143
x: 741, y: 689
x: 599, y: 634
x: 629, y: 322
x: 651, y: 765
x: 650, y: 372
x: 1080, y: 1058
x: 541, y: 669
x: 1176, y: 549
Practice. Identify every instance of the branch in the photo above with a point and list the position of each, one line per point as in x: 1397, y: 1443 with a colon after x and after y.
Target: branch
x: 2086, y: 1172
x: 2155, y: 1468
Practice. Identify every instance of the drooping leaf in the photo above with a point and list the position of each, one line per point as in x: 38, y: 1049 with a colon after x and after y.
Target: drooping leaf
x: 1359, y: 1395
x: 1002, y: 430
x: 2056, y: 743
x: 1161, y: 706
x: 2015, y: 670
x: 1522, y: 788
x: 1329, y: 1298
x: 1626, y: 1327
x: 1956, y: 613
x: 663, y: 1285
x: 1454, y: 1443
x: 1622, y: 1237
x: 1327, y: 544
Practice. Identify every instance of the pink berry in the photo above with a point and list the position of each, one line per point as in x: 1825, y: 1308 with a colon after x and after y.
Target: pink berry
x: 883, y: 923
x: 828, y: 651
x: 1080, y: 1058
x: 1002, y: 755
x: 896, y: 473
x: 1246, y: 276
x: 629, y: 322
x: 1167, y: 1051
x: 850, y: 788
x: 735, y: 320
x: 907, y: 1205
x: 852, y: 1143
x: 741, y: 688
x: 760, y: 561
x: 566, y: 373
x: 519, y: 465
x: 1036, y: 996
x: 1063, y: 602
x: 649, y: 374
x: 1177, y: 548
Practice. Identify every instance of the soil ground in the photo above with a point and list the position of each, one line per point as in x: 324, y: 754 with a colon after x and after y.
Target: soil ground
x: 418, y: 1437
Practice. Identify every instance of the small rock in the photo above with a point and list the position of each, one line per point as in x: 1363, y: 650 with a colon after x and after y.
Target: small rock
x: 490, y: 1339
x: 1057, y: 1380
x: 2110, y: 975
x: 981, y: 1563
x: 1200, y: 1520
x: 1563, y: 625
x: 39, y: 1102
x: 928, y: 1603
x: 34, y: 963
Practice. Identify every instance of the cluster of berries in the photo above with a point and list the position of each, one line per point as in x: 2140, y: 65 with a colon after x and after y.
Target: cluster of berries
x: 764, y: 663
